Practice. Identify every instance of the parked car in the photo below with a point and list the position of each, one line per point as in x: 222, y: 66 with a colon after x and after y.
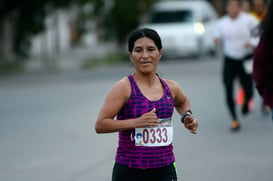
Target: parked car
x: 185, y: 27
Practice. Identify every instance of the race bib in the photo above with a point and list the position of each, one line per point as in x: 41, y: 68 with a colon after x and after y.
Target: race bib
x: 161, y: 135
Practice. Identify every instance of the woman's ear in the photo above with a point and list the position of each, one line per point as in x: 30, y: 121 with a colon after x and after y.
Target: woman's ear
x: 130, y: 57
x: 161, y: 52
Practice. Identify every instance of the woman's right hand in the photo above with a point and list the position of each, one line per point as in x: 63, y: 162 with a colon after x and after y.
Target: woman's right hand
x: 147, y: 120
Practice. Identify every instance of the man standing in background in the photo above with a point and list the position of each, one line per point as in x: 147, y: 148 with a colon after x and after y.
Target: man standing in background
x: 233, y: 33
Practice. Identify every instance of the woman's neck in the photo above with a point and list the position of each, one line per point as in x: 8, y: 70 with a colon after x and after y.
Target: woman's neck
x: 146, y: 79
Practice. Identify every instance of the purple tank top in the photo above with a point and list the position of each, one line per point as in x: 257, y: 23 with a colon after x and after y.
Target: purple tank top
x: 140, y: 156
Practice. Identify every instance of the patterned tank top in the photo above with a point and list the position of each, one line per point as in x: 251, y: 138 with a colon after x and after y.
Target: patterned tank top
x: 141, y: 156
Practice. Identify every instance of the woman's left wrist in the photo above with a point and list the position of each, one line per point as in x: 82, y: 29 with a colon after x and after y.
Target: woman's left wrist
x: 184, y: 115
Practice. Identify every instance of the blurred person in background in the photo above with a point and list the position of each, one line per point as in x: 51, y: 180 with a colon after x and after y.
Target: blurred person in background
x: 259, y: 9
x: 143, y: 104
x: 263, y: 59
x: 240, y: 97
x: 233, y: 33
x: 246, y: 6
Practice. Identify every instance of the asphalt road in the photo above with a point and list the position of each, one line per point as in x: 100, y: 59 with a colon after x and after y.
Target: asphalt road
x: 47, y: 127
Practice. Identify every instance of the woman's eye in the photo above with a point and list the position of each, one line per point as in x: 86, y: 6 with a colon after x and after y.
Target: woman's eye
x: 150, y: 49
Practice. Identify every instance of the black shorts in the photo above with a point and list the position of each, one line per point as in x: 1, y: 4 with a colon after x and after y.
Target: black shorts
x: 124, y: 173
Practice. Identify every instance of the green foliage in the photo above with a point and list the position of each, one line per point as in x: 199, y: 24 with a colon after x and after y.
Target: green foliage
x: 126, y: 15
x: 112, y: 58
x: 27, y: 19
x: 7, y: 67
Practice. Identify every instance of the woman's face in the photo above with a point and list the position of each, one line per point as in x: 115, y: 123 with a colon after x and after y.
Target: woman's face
x: 145, y: 55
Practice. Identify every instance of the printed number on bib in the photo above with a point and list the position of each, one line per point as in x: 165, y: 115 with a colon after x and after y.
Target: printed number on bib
x: 161, y: 135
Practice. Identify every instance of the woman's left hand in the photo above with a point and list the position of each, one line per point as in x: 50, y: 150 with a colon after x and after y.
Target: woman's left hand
x: 191, y: 124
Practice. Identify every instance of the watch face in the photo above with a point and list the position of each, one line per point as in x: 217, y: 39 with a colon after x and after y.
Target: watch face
x: 188, y: 113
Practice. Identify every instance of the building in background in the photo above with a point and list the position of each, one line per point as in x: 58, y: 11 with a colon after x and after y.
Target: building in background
x: 62, y: 33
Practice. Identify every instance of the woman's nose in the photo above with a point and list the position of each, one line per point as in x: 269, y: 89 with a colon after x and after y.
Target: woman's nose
x: 145, y: 54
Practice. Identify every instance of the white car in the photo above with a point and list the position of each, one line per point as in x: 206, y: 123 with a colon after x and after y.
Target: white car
x: 185, y: 27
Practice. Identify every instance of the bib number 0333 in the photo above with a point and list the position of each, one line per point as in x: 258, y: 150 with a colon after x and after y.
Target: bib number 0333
x: 161, y: 135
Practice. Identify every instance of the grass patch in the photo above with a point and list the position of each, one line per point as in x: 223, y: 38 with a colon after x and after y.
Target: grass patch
x: 7, y: 66
x: 113, y: 58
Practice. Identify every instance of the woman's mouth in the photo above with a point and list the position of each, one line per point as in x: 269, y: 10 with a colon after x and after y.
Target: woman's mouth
x: 145, y: 62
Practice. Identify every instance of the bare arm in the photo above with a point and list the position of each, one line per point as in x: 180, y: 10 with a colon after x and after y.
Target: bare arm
x: 115, y: 100
x: 182, y: 105
x: 181, y: 102
x: 217, y: 35
x: 217, y: 41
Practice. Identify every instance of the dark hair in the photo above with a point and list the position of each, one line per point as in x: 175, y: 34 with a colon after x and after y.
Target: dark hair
x: 144, y: 32
x: 266, y: 26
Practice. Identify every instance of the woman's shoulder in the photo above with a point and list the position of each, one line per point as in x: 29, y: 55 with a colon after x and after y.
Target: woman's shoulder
x: 175, y: 88
x: 169, y: 81
x: 172, y: 84
x: 120, y: 90
x: 122, y: 84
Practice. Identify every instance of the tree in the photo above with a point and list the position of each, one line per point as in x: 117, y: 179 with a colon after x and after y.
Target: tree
x: 26, y: 19
x: 126, y: 15
x: 219, y: 6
